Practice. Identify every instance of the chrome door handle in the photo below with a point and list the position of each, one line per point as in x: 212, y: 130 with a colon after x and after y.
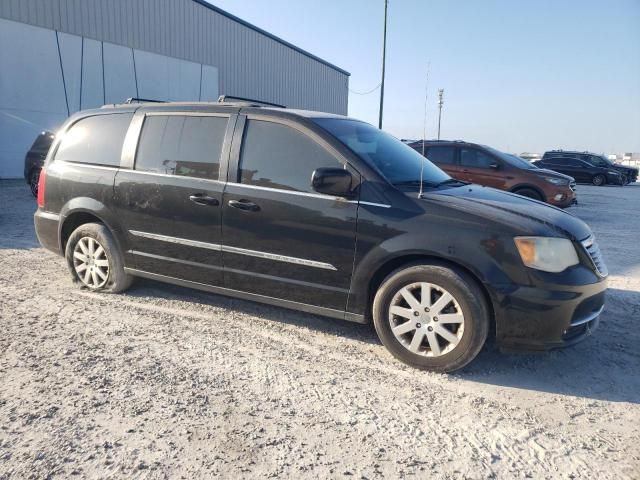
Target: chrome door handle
x: 245, y: 205
x: 202, y: 199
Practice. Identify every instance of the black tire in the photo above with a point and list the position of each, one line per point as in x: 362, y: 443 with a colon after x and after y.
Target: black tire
x: 599, y: 180
x: 34, y: 177
x: 529, y: 193
x: 117, y: 280
x: 465, y: 291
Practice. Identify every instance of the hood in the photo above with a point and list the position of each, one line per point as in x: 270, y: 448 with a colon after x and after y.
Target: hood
x: 551, y: 173
x: 625, y: 168
x: 524, y: 215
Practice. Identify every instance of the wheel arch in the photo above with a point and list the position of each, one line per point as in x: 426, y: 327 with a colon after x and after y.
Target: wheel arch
x: 522, y: 186
x: 81, y: 211
x: 396, y: 263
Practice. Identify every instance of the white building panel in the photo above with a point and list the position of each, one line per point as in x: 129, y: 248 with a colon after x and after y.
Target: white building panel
x: 71, y: 59
x: 92, y: 75
x: 119, y: 73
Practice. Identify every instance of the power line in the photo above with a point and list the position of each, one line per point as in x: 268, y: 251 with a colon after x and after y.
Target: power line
x: 368, y: 91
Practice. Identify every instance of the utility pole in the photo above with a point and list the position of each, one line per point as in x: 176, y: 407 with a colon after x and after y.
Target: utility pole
x: 440, y: 103
x: 384, y: 53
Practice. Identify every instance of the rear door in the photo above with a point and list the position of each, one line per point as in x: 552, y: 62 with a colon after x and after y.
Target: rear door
x: 170, y: 197
x: 479, y: 167
x: 281, y: 239
x: 444, y: 156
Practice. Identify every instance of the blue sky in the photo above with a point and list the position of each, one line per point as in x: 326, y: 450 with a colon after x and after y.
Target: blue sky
x: 518, y: 75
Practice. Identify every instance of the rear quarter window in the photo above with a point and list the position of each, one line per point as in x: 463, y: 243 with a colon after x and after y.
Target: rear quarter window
x: 95, y: 140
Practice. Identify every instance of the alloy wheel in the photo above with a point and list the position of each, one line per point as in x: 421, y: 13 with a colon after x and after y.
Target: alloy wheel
x: 426, y: 319
x: 91, y: 263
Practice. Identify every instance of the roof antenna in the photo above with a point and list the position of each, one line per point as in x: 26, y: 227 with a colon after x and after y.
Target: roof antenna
x: 424, y: 128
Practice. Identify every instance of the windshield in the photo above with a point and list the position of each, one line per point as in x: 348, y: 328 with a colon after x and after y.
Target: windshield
x: 394, y: 160
x: 512, y: 160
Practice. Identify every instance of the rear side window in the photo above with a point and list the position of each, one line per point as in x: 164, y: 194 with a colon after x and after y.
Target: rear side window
x: 183, y: 145
x: 95, y: 140
x: 441, y: 155
x: 278, y: 156
x: 470, y: 157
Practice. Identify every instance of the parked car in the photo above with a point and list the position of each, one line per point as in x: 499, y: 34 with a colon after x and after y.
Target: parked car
x: 34, y: 159
x: 318, y: 213
x: 588, y: 167
x: 487, y: 166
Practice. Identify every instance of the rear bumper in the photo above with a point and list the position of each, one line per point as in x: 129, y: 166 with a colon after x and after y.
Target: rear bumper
x: 534, y: 318
x: 47, y: 229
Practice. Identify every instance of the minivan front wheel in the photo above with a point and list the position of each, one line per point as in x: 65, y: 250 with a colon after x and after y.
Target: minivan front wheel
x: 431, y: 317
x: 95, y: 261
x: 599, y: 180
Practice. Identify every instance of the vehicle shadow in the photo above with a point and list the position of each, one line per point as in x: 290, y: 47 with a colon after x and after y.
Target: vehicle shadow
x: 605, y: 366
x: 149, y: 288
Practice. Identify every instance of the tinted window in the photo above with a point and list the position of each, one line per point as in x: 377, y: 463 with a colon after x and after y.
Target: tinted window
x: 597, y: 161
x: 96, y: 140
x: 188, y: 146
x: 470, y: 157
x: 440, y: 155
x: 277, y: 156
x: 570, y: 162
x: 394, y: 160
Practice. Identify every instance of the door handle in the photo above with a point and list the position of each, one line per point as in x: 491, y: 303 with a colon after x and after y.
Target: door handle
x: 202, y: 199
x: 244, y: 205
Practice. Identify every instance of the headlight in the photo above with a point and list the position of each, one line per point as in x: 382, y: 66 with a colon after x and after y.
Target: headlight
x: 557, y: 181
x: 613, y: 172
x: 548, y: 254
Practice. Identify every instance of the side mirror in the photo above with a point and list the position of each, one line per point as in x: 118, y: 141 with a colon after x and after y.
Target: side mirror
x: 332, y: 181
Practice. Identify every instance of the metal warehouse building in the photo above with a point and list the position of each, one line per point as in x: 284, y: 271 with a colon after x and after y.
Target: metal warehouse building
x: 61, y: 56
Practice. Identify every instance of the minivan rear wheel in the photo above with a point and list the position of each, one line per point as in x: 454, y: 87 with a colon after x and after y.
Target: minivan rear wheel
x: 599, y: 180
x: 95, y: 261
x: 431, y: 316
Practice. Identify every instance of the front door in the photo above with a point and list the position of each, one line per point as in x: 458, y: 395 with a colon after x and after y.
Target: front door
x: 481, y: 168
x: 170, y: 201
x: 280, y: 238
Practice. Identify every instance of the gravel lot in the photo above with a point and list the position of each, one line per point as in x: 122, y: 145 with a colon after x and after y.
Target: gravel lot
x: 168, y: 382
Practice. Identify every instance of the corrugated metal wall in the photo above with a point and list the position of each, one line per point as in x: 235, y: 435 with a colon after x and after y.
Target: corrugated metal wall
x: 251, y: 64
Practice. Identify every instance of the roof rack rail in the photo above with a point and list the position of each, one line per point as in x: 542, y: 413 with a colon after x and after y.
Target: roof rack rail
x: 142, y: 100
x: 248, y: 101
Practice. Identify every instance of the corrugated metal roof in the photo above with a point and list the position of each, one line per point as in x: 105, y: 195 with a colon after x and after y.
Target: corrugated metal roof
x: 204, y: 3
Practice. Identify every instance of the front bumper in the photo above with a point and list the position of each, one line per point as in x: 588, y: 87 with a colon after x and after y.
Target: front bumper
x: 615, y: 179
x: 536, y: 318
x: 563, y: 198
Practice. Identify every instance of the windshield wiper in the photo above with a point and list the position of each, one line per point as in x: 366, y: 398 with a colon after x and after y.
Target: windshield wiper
x: 450, y: 181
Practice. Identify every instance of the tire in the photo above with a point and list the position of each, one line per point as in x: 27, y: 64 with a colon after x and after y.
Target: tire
x: 92, y: 245
x: 467, y: 299
x: 599, y: 180
x: 529, y: 193
x: 34, y: 177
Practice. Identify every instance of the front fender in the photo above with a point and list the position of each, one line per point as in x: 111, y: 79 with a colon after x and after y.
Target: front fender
x: 482, y: 257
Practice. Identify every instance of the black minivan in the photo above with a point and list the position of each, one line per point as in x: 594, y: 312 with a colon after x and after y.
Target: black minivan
x: 319, y: 213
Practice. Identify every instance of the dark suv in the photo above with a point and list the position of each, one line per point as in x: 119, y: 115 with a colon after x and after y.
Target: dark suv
x: 319, y: 213
x: 487, y: 166
x: 588, y: 167
x: 34, y: 159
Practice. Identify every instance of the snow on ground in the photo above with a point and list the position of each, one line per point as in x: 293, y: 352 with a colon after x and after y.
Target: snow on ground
x: 167, y: 382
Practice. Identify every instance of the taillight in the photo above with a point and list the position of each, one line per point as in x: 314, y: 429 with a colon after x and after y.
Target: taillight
x: 41, y: 184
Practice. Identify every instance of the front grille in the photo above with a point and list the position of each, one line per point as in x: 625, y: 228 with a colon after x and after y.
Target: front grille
x: 593, y: 250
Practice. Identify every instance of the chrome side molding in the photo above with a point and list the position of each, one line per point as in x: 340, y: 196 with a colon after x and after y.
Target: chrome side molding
x: 239, y: 251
